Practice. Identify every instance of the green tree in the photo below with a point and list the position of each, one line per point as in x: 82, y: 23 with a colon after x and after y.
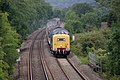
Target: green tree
x: 3, y: 64
x: 58, y: 13
x: 113, y: 6
x: 114, y: 49
x: 26, y: 15
x: 89, y: 21
x: 72, y: 22
x: 82, y: 8
x: 22, y: 16
x: 9, y: 43
x: 97, y: 39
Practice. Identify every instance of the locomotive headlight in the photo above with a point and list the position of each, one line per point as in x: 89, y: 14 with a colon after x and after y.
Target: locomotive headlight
x: 54, y: 49
x: 67, y: 49
x: 60, y: 45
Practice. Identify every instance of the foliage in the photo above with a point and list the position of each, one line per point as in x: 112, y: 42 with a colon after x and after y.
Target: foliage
x: 8, y: 42
x: 75, y: 49
x: 26, y: 15
x: 113, y: 70
x: 82, y: 8
x: 67, y: 3
x: 114, y: 8
x: 100, y: 52
x: 58, y: 13
x: 3, y: 65
x: 94, y: 41
x: 72, y: 22
x: 89, y: 21
x: 97, y: 39
x: 114, y: 49
x: 84, y: 18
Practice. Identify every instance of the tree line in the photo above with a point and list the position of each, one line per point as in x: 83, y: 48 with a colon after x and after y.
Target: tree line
x: 114, y: 43
x: 84, y: 20
x: 18, y: 18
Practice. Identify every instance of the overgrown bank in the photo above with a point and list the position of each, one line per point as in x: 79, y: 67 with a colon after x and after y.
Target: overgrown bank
x: 17, y: 20
x: 84, y: 21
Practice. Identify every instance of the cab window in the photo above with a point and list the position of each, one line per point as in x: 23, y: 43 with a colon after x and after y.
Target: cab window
x: 60, y: 39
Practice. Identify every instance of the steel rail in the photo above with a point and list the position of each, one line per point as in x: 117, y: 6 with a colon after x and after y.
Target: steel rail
x: 30, y: 73
x: 62, y: 69
x: 44, y: 63
x: 41, y: 56
x: 79, y: 73
x: 74, y: 67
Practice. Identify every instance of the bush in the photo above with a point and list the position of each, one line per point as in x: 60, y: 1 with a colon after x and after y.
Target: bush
x: 114, y: 49
x: 97, y: 39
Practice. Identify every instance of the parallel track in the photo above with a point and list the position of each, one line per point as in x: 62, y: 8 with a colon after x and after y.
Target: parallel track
x: 72, y: 65
x: 40, y: 46
x: 30, y: 71
x: 75, y: 69
x: 38, y: 35
x: 47, y: 72
x: 42, y: 57
x: 62, y: 70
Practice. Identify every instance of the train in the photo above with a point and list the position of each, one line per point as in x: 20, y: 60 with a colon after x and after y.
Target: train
x: 58, y: 38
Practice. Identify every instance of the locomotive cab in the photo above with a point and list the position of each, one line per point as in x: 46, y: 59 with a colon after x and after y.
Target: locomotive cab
x: 61, y: 44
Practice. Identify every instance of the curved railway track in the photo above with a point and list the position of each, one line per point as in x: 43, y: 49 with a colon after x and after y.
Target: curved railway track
x: 67, y: 67
x: 36, y: 36
x: 70, y: 71
x: 75, y: 68
x: 46, y: 69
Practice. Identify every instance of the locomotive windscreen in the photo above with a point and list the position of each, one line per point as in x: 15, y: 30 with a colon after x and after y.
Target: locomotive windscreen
x: 60, y: 31
x: 60, y: 39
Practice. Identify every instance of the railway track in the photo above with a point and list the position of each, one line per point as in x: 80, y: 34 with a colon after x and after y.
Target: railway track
x: 70, y: 71
x: 75, y: 68
x: 67, y: 67
x: 30, y: 72
x: 46, y: 69
x: 35, y: 39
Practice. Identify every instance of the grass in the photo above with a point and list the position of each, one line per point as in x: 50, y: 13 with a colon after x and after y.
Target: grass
x: 108, y: 76
x: 83, y: 59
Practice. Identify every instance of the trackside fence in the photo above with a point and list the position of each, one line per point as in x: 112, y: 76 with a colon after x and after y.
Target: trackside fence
x: 94, y: 62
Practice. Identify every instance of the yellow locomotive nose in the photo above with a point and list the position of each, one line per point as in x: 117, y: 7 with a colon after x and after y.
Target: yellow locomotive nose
x: 61, y: 43
x: 60, y: 46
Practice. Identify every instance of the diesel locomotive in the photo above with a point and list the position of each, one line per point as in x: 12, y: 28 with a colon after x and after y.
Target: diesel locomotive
x: 58, y: 38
